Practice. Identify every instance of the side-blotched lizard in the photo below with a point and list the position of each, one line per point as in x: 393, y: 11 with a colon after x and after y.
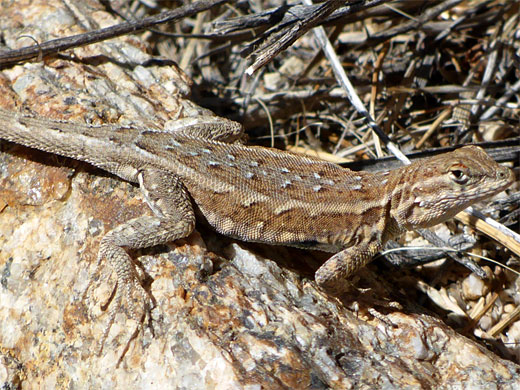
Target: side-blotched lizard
x: 259, y: 194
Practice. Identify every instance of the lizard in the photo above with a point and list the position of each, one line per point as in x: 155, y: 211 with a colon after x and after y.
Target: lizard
x: 197, y: 167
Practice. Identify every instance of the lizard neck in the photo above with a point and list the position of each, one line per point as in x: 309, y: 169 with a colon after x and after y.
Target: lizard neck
x: 410, y: 188
x: 394, y: 194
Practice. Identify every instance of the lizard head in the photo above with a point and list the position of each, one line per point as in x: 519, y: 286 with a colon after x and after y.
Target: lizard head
x: 441, y: 186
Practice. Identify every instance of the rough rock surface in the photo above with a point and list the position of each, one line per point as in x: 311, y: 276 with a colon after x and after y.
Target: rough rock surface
x: 227, y: 315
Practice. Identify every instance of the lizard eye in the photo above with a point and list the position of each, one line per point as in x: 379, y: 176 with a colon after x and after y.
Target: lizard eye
x: 459, y: 176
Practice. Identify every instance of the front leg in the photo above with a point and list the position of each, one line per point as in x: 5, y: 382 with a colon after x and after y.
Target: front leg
x: 333, y: 274
x: 174, y: 218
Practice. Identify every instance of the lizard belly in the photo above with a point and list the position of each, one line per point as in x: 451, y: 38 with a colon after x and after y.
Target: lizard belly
x: 325, y: 232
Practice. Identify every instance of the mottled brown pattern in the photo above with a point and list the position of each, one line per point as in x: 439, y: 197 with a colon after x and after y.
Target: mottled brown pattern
x: 259, y: 194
